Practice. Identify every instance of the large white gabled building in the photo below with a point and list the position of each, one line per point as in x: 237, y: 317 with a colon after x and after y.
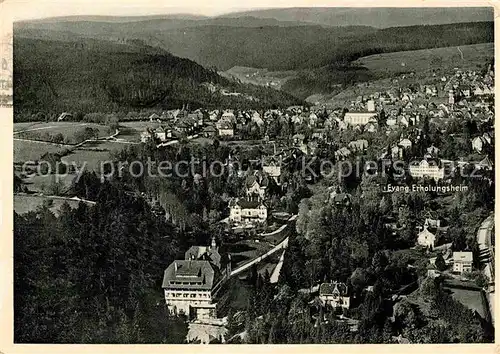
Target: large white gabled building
x: 427, y: 168
x: 247, y: 211
x: 360, y: 118
x: 189, y: 283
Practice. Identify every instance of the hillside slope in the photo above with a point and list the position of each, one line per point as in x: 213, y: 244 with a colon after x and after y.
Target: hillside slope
x: 269, y: 47
x: 88, y: 75
x: 380, y: 17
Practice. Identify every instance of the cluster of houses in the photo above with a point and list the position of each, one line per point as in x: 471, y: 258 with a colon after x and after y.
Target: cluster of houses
x: 461, y: 262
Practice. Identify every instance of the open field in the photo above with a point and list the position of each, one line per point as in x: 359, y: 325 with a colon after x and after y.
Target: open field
x: 40, y: 183
x: 89, y: 159
x: 67, y: 129
x: 467, y: 57
x: 261, y: 77
x: 26, y: 203
x: 32, y: 150
x: 91, y: 153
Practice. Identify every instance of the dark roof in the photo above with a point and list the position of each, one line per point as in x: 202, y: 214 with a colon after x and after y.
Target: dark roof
x: 249, y: 204
x: 191, y: 274
x: 245, y: 203
x: 183, y: 124
x: 333, y: 288
x: 209, y: 128
x: 430, y: 161
x: 342, y: 197
x: 250, y: 180
x: 203, y: 253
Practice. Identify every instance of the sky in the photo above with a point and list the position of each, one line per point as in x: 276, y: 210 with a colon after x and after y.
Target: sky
x: 33, y: 9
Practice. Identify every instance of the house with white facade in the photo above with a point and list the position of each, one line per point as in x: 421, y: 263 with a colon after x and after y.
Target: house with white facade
x: 427, y: 168
x: 247, y: 211
x: 405, y: 143
x: 334, y: 294
x: 188, y: 288
x: 426, y: 238
x: 360, y: 118
x: 462, y: 262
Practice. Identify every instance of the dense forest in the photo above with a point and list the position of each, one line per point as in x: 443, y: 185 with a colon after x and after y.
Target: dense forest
x: 86, y: 76
x: 93, y: 274
x: 321, y: 56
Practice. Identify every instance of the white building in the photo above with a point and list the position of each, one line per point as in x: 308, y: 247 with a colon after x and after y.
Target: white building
x: 360, y: 118
x: 462, y: 262
x: 247, y: 211
x: 370, y: 105
x: 426, y: 238
x: 427, y: 168
x: 188, y: 286
x: 405, y: 143
x: 334, y: 294
x: 225, y: 129
x: 272, y: 167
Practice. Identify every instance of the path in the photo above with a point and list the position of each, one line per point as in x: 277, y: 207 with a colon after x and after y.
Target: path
x: 173, y: 142
x: 72, y: 146
x: 89, y: 202
x: 461, y: 53
x: 276, y: 272
x: 43, y: 128
x: 282, y: 245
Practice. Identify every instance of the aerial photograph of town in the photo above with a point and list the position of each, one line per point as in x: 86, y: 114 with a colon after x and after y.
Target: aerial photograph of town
x: 261, y: 176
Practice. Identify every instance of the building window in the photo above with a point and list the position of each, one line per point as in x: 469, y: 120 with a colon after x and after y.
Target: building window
x: 185, y: 295
x: 193, y: 295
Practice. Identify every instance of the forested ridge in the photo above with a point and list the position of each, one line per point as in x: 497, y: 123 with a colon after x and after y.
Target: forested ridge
x: 87, y: 75
x: 274, y: 47
x: 128, y: 67
x: 93, y: 274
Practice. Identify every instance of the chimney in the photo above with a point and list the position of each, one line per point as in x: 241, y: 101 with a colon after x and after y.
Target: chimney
x: 175, y: 266
x: 213, y: 245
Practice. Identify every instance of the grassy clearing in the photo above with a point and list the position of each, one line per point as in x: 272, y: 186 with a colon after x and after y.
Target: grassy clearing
x: 67, y: 129
x: 261, y: 77
x: 92, y: 154
x: 88, y: 159
x: 26, y: 203
x: 471, y: 57
x: 39, y: 184
x: 32, y: 150
x: 131, y: 131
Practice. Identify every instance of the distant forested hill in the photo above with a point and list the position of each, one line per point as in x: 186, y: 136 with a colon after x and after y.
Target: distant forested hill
x: 320, y: 56
x: 274, y: 47
x: 89, y: 75
x: 379, y: 17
